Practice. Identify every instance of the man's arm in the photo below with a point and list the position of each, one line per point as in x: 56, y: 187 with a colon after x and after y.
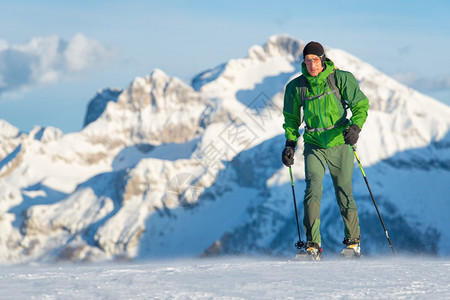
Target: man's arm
x: 358, y: 102
x: 291, y: 111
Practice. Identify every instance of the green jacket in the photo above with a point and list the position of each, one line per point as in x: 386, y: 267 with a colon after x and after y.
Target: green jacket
x: 326, y: 111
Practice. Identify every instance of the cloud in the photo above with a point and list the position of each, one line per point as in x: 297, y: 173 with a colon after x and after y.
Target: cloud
x: 45, y: 60
x: 440, y: 82
x: 404, y: 50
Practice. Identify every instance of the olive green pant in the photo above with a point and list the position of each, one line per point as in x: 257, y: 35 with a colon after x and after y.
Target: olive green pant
x: 340, y: 162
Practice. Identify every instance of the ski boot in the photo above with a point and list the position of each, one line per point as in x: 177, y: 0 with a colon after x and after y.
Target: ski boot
x: 352, y: 250
x: 313, y: 252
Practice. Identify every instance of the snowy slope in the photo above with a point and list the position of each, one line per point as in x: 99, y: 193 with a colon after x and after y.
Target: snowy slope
x: 167, y: 169
x: 238, y: 278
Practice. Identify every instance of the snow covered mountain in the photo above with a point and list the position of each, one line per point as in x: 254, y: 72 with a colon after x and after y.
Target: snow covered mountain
x: 167, y: 169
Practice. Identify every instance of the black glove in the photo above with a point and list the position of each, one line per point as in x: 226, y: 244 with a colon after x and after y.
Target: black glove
x: 351, y: 134
x: 288, y: 153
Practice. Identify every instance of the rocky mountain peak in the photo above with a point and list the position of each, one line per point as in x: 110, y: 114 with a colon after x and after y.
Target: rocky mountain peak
x: 278, y: 45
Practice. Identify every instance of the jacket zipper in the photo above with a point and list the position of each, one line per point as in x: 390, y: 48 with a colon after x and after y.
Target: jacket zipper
x: 320, y: 114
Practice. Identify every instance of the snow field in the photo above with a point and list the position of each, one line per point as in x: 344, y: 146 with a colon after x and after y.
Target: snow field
x: 233, y: 278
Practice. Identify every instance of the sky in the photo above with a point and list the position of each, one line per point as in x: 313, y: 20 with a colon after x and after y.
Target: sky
x: 56, y: 55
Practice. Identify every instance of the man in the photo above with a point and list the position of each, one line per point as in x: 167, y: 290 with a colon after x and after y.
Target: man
x: 326, y: 138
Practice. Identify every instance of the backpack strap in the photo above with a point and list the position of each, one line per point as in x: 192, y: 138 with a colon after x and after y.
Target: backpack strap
x: 331, y: 80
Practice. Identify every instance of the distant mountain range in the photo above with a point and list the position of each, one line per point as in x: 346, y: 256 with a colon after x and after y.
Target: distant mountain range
x: 165, y: 169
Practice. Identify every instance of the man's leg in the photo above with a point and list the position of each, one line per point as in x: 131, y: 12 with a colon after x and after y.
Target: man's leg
x: 341, y: 165
x: 315, y: 165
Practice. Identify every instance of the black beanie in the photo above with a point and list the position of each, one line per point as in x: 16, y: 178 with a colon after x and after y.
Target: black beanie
x: 313, y: 48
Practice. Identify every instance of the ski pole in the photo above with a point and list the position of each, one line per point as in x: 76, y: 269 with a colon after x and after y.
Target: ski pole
x: 300, y: 244
x: 373, y: 199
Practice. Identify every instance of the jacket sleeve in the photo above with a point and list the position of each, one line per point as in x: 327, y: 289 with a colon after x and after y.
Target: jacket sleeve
x: 358, y: 102
x: 291, y: 111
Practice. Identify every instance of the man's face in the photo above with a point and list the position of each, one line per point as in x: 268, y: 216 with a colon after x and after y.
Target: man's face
x: 313, y: 64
